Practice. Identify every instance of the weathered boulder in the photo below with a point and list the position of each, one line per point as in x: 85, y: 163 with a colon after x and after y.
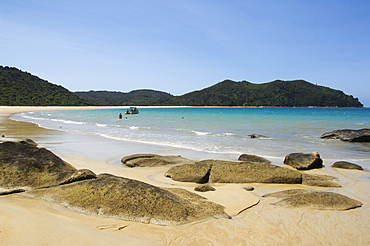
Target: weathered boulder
x: 319, y: 180
x: 319, y: 200
x: 303, y: 161
x: 24, y: 165
x: 287, y: 193
x: 346, y: 165
x: 217, y: 171
x: 197, y: 173
x: 129, y: 199
x: 362, y: 135
x: 243, y: 172
x: 152, y: 160
x: 253, y: 158
x: 204, y: 188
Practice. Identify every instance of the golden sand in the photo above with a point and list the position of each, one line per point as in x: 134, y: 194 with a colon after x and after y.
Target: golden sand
x: 255, y: 221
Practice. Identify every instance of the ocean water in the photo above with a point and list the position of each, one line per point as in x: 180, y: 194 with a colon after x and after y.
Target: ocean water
x: 221, y: 130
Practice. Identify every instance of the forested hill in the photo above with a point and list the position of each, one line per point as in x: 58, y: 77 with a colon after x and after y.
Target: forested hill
x: 297, y: 93
x: 18, y: 88
x: 137, y: 97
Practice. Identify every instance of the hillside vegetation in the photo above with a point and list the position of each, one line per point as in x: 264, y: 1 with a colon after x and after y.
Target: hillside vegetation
x: 20, y: 88
x: 136, y: 97
x: 297, y: 93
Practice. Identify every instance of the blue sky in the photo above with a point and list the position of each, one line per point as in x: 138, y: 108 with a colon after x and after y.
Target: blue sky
x: 180, y: 46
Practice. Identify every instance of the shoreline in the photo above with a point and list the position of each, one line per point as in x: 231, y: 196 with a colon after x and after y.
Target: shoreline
x: 33, y: 222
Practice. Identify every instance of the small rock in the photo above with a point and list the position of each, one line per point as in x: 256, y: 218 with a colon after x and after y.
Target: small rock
x: 346, y: 165
x: 204, y: 188
x: 248, y: 188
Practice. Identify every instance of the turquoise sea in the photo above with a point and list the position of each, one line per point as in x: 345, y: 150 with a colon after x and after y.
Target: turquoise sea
x: 221, y: 130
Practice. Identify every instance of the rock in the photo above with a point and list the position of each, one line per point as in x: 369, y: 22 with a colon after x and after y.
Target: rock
x: 248, y: 188
x: 10, y: 191
x: 79, y: 175
x: 346, y: 165
x: 242, y: 172
x: 128, y: 199
x: 303, y: 161
x: 24, y: 165
x: 204, y: 188
x: 152, y: 160
x: 253, y: 158
x: 319, y: 180
x: 287, y: 193
x: 256, y: 136
x: 362, y: 135
x: 320, y: 200
x: 197, y: 173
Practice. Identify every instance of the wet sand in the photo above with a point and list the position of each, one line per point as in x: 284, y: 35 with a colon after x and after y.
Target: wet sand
x: 28, y: 221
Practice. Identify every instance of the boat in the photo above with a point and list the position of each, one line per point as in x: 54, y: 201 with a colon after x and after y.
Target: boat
x: 132, y: 110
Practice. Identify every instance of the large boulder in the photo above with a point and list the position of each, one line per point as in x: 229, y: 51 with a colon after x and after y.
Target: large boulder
x: 346, y: 165
x: 362, y: 135
x: 316, y: 200
x: 128, y: 199
x: 303, y: 161
x: 152, y: 160
x: 243, y: 172
x: 24, y: 165
x: 253, y: 158
x: 217, y: 171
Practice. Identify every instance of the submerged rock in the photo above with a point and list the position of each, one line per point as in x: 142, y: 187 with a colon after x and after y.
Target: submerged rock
x: 24, y: 165
x: 152, y: 160
x: 303, y: 161
x: 319, y: 200
x: 128, y: 199
x: 362, y: 135
x: 346, y: 165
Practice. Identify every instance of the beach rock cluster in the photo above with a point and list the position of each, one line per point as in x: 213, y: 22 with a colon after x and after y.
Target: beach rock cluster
x: 25, y: 167
x: 301, y: 198
x: 216, y: 171
x: 362, y: 135
x: 152, y: 160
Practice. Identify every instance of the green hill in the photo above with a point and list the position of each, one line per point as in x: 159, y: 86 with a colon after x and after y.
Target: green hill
x: 20, y: 88
x: 137, y: 97
x: 297, y: 93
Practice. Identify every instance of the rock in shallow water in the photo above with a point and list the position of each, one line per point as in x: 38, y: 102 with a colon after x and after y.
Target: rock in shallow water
x: 362, y: 135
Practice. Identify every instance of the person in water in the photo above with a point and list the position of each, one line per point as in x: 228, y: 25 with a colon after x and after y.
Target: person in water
x: 120, y: 116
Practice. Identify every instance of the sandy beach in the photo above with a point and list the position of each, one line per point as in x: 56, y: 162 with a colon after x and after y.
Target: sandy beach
x: 255, y: 221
